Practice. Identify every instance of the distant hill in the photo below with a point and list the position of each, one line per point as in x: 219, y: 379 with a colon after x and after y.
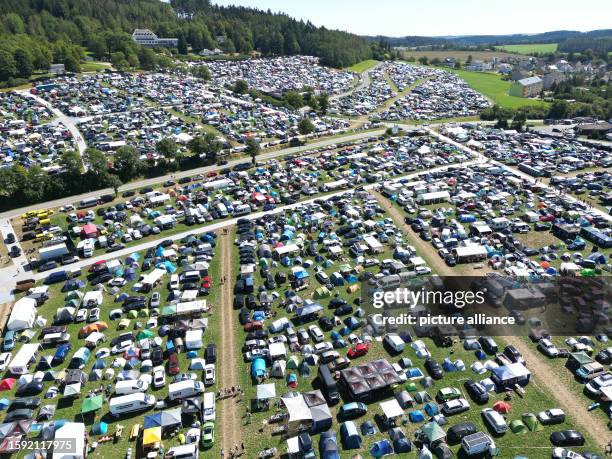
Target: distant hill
x: 556, y: 36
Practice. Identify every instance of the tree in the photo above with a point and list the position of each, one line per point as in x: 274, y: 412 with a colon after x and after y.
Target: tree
x: 252, y: 149
x: 114, y: 182
x: 147, y: 58
x: 71, y: 162
x: 182, y: 44
x: 72, y: 64
x: 167, y: 148
x: 23, y: 63
x: 95, y: 159
x: 240, y: 87
x: 198, y: 145
x: 558, y: 109
x: 436, y: 61
x: 201, y: 71
x: 423, y: 60
x: 127, y: 163
x: 305, y: 126
x: 519, y: 120
x: 8, y: 69
x: 323, y: 101
x: 36, y: 184
x: 294, y: 99
x: 214, y: 147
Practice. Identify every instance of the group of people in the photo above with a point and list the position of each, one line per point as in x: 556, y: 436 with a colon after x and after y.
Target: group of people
x: 230, y: 392
x: 235, y: 451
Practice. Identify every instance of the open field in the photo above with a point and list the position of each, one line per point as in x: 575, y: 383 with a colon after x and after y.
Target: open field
x: 530, y: 48
x: 460, y: 55
x: 362, y: 66
x: 92, y: 66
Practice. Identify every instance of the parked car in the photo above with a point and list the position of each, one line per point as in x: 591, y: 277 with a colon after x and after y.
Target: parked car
x: 551, y: 416
x: 455, y: 406
x: 352, y: 410
x: 567, y: 438
x: 477, y: 391
x: 434, y: 368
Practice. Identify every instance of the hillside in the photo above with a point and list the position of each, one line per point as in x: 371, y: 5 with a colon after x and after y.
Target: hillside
x: 45, y: 31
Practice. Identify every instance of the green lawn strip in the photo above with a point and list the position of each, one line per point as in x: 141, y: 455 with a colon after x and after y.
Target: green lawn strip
x: 362, y: 66
x: 529, y: 48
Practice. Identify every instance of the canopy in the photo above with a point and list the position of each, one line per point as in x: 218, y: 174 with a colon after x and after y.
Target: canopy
x: 151, y: 436
x: 433, y: 432
x: 92, y: 404
x: 297, y: 408
x: 391, y: 409
x: 152, y: 420
x: 266, y: 391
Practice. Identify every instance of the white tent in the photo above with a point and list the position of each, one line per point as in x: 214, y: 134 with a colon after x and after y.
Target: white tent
x: 23, y: 314
x: 297, y: 408
x: 72, y: 390
x: 278, y: 369
x: 95, y: 296
x: 391, y: 409
x: 266, y: 391
x: 193, y: 339
x: 277, y: 350
x: 73, y: 433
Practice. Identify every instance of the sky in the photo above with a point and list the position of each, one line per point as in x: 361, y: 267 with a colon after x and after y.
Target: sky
x: 398, y: 18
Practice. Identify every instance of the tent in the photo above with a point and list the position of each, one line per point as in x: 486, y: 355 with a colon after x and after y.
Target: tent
x: 321, y: 416
x: 518, y: 427
x: 292, y: 363
x: 92, y: 404
x: 431, y: 408
x: 304, y: 369
x: 72, y: 390
x: 266, y: 391
x: 391, y: 409
x: 532, y: 422
x: 404, y: 399
x: 422, y: 397
x: 501, y: 407
x: 411, y: 387
x: 7, y: 383
x: 151, y: 436
x: 278, y: 369
x: 350, y: 436
x: 171, y: 418
x: 4, y: 403
x: 433, y: 432
x: 368, y: 428
x: 23, y: 314
x: 416, y: 416
x: 414, y: 373
x: 99, y: 428
x: 152, y: 420
x: 292, y: 380
x: 381, y: 448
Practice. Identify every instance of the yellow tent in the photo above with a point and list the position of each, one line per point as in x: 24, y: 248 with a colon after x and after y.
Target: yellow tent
x: 151, y: 436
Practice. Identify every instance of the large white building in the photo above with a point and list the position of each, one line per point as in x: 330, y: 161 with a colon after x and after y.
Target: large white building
x: 146, y: 37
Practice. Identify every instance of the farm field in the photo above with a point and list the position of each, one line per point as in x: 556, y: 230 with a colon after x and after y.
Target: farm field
x: 529, y: 48
x: 362, y: 66
x: 460, y: 55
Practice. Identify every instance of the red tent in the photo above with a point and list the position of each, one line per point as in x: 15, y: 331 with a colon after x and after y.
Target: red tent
x: 501, y: 407
x: 89, y: 231
x: 7, y: 383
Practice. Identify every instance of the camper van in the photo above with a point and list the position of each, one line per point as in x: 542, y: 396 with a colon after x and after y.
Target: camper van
x: 242, y: 209
x: 131, y: 387
x: 188, y: 451
x: 208, y: 407
x: 495, y: 420
x: 185, y: 389
x: 394, y: 342
x: 130, y: 403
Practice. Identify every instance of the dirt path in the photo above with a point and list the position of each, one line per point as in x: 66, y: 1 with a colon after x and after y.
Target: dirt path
x: 569, y: 401
x: 229, y: 428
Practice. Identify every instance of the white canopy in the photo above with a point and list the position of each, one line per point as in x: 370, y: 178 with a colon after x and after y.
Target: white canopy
x: 391, y: 409
x: 266, y: 391
x: 297, y: 408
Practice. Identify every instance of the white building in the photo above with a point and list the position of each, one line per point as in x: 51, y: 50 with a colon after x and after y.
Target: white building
x: 146, y: 37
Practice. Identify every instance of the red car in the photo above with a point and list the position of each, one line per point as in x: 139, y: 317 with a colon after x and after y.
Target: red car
x: 206, y: 282
x: 255, y: 325
x: 211, y: 174
x: 357, y: 351
x: 547, y: 218
x: 97, y: 265
x: 173, y: 365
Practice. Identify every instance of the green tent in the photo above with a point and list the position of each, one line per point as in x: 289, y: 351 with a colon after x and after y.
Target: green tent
x: 411, y: 387
x: 92, y: 404
x: 143, y: 313
x: 144, y: 334
x: 518, y: 427
x: 532, y: 423
x: 321, y: 292
x: 433, y: 432
x: 292, y: 363
x: 263, y: 263
x: 132, y: 314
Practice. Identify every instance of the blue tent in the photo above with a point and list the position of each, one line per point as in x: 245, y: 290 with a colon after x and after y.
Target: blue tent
x: 334, y: 335
x: 368, y: 428
x: 381, y: 448
x: 480, y: 354
x: 431, y: 408
x: 132, y: 258
x: 152, y: 420
x: 99, y: 364
x: 416, y: 416
x: 4, y: 403
x: 258, y: 368
x: 352, y: 323
x: 301, y: 274
x: 259, y: 315
x: 402, y: 445
x: 467, y: 218
x: 286, y: 261
x: 328, y: 445
x: 130, y: 274
x: 350, y: 436
x: 448, y: 365
x: 192, y: 354
x: 99, y: 428
x: 337, y: 279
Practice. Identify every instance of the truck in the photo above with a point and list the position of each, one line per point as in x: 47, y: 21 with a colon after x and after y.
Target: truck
x: 53, y: 252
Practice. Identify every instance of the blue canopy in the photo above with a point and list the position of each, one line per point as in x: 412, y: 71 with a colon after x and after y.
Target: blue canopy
x: 416, y: 416
x: 152, y: 420
x: 99, y: 428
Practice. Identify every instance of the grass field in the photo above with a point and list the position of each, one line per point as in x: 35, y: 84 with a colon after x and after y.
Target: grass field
x: 496, y: 89
x: 94, y: 66
x: 460, y: 55
x: 362, y: 66
x: 530, y: 48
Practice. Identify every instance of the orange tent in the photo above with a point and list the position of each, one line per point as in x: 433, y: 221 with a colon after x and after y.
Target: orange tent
x: 7, y: 383
x: 545, y: 264
x: 501, y: 407
x: 90, y: 328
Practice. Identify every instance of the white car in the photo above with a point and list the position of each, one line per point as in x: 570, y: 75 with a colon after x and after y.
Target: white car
x: 422, y: 270
x: 174, y: 282
x: 562, y: 453
x: 5, y: 359
x: 325, y: 346
x: 547, y: 348
x: 155, y: 300
x: 316, y: 333
x: 121, y: 347
x: 137, y: 235
x: 277, y: 339
x: 209, y: 374
x: 159, y: 377
x: 81, y: 315
x: 94, y: 315
x: 117, y: 282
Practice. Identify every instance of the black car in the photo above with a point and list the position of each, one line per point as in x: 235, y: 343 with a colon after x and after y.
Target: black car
x: 47, y: 266
x: 14, y: 252
x: 477, y: 391
x: 450, y: 260
x: 19, y: 415
x: 33, y: 388
x: 128, y: 194
x: 513, y: 354
x: 257, y: 334
x: 184, y: 180
x: 23, y: 403
x: 326, y: 323
x: 114, y: 248
x: 604, y: 356
x: 488, y: 344
x: 157, y: 356
x: 146, y: 190
x: 434, y: 368
x: 211, y: 353
x: 123, y: 337
x: 343, y: 310
x: 458, y: 431
x: 567, y: 438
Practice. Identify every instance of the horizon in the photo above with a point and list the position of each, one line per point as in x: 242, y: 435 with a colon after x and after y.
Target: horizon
x: 389, y: 18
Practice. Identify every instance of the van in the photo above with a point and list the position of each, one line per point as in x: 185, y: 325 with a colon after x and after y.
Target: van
x: 185, y: 389
x: 242, y: 209
x: 56, y: 338
x: 55, y: 277
x: 188, y: 451
x: 130, y: 403
x: 208, y: 407
x: 328, y: 384
x: 131, y: 387
x: 495, y: 420
x: 394, y: 342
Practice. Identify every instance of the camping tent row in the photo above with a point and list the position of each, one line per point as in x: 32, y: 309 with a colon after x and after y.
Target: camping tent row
x: 364, y: 380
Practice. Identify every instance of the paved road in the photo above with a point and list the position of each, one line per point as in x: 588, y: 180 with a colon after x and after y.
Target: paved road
x: 200, y: 170
x: 364, y: 82
x: 67, y: 121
